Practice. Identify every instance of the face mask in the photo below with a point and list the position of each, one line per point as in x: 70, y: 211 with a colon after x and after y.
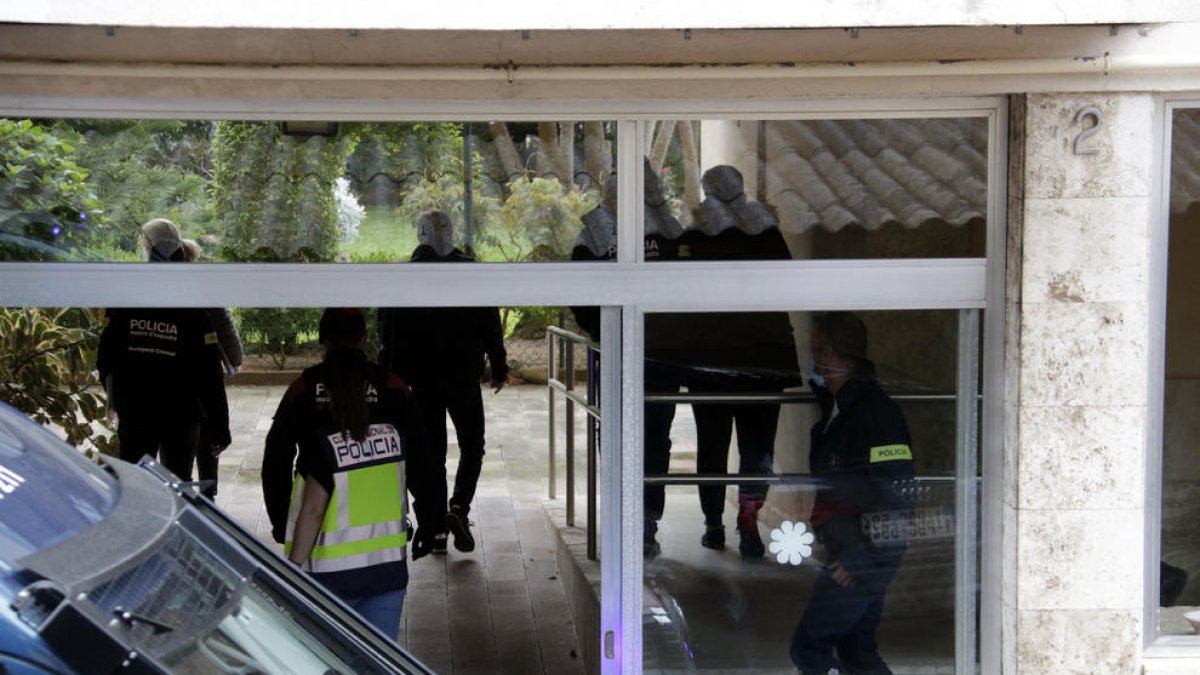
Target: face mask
x: 814, y: 378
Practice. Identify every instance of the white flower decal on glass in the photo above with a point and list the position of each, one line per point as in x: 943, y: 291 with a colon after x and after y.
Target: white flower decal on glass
x: 791, y: 543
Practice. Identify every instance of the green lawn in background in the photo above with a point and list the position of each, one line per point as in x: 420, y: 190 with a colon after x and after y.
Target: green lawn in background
x: 381, y: 238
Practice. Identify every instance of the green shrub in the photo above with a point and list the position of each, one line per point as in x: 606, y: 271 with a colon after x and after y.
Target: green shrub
x: 143, y: 169
x: 46, y: 359
x: 279, y: 332
x: 47, y: 209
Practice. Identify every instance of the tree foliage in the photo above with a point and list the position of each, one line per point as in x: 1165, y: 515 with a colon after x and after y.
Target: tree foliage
x: 46, y: 372
x: 539, y: 220
x: 143, y: 169
x: 47, y: 209
x: 274, y: 199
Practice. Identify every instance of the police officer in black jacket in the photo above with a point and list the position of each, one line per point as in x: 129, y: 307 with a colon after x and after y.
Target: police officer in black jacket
x: 861, y: 453
x: 162, y: 369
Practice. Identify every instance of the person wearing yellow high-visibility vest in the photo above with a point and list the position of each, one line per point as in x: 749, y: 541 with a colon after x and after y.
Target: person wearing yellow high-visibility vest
x: 354, y: 425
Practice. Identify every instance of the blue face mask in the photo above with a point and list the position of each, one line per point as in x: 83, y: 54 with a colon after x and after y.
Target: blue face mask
x: 814, y: 378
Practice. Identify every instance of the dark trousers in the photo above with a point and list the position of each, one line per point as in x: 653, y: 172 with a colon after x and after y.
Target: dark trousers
x: 171, y: 441
x: 657, y: 429
x: 756, y: 425
x: 843, y: 620
x: 464, y: 404
x: 207, y: 464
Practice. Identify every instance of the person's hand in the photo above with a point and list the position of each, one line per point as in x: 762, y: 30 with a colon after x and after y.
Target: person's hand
x: 497, y: 385
x: 422, y: 544
x: 841, y: 576
x: 218, y: 449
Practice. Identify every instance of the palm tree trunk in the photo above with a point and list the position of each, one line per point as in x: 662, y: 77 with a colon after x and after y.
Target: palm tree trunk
x: 692, y: 192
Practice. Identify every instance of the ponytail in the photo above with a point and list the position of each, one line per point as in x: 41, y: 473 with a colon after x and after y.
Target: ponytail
x: 342, y: 331
x: 346, y: 375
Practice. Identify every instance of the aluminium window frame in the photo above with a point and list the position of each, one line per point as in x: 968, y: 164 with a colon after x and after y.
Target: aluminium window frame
x: 1154, y: 644
x: 625, y: 289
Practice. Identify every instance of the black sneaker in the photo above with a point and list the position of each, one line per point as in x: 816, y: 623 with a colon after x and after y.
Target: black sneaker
x: 439, y: 544
x: 714, y: 537
x: 460, y: 527
x: 750, y: 545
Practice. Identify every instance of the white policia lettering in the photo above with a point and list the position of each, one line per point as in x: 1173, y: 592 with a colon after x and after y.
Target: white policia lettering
x: 153, y: 326
x: 382, y: 442
x: 9, y: 481
x: 157, y: 330
x: 322, y: 395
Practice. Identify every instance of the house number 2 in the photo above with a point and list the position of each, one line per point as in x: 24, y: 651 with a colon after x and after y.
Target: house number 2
x: 1097, y: 122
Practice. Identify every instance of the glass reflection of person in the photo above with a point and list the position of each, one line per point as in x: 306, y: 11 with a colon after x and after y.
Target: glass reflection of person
x: 598, y: 241
x: 861, y: 454
x: 208, y: 463
x: 747, y: 352
x: 440, y: 353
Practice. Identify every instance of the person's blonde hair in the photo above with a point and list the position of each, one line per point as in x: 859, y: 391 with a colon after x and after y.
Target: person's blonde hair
x: 191, y: 250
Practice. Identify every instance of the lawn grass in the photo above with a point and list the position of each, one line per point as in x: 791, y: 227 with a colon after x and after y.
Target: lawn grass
x: 382, y: 237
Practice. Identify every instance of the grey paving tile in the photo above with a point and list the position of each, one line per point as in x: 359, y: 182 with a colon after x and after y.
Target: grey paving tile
x: 499, y: 609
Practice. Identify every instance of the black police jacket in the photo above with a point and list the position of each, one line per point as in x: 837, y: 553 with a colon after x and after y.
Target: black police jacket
x: 442, y: 345
x: 303, y: 418
x: 164, y: 363
x: 301, y: 423
x: 863, y: 460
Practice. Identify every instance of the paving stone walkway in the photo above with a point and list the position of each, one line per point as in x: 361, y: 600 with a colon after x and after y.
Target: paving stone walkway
x: 498, y: 609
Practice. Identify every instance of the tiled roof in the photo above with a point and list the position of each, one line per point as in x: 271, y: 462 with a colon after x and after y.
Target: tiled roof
x: 1185, y: 159
x: 872, y: 172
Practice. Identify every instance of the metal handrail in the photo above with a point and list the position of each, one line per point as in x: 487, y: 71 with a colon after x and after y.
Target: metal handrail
x: 769, y: 397
x: 588, y: 404
x: 760, y: 479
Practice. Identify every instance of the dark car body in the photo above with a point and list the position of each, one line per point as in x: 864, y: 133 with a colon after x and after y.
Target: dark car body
x: 111, y: 567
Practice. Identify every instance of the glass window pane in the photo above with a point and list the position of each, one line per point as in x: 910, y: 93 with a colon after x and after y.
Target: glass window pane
x: 255, y: 191
x: 822, y: 534
x: 818, y: 189
x: 492, y: 442
x: 1178, y: 591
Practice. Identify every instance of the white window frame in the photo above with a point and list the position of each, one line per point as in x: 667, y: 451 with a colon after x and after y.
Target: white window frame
x: 1156, y: 645
x: 625, y: 289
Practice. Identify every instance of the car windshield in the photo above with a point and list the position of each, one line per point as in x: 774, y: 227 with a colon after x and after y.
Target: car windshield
x: 48, y: 491
x: 200, y: 603
x: 259, y: 636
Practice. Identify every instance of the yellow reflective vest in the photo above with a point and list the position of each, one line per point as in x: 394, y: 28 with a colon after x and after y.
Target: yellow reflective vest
x: 364, y: 525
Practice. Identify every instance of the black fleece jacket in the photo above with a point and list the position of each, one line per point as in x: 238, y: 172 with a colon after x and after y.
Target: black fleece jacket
x: 442, y: 345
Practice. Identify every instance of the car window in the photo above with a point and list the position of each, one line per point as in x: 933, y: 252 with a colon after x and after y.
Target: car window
x: 48, y: 491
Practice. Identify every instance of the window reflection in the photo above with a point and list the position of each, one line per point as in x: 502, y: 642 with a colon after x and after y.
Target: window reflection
x: 257, y: 191
x: 1178, y: 591
x: 898, y: 188
x: 836, y: 548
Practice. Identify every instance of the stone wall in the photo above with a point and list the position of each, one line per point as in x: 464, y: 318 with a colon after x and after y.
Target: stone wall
x: 1075, y: 403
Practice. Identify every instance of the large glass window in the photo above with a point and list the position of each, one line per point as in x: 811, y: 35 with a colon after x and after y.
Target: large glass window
x: 818, y: 189
x: 247, y: 191
x: 802, y: 491
x: 716, y: 191
x: 478, y: 376
x: 1179, y: 590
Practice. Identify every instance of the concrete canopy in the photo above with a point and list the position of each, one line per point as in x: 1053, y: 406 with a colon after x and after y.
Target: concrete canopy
x: 616, y: 14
